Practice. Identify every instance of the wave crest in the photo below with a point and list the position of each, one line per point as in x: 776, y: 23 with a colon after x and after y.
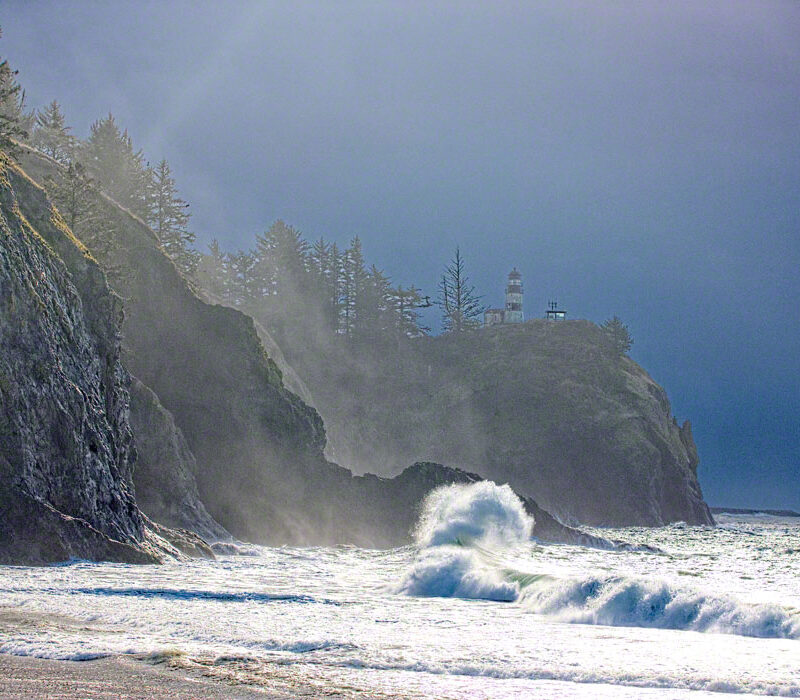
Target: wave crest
x: 466, y: 513
x: 455, y: 519
x: 628, y: 602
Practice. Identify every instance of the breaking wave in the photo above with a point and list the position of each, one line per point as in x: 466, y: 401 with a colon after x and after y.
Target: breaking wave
x: 456, y: 520
x: 630, y: 602
x: 465, y: 513
x: 464, y: 530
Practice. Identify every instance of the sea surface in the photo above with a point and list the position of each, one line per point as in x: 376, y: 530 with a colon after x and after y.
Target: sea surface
x: 474, y: 609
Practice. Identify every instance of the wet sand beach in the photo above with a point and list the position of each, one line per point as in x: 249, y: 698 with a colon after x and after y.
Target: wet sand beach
x: 111, y: 677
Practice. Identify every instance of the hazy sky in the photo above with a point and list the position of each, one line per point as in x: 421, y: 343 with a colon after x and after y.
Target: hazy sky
x: 631, y: 158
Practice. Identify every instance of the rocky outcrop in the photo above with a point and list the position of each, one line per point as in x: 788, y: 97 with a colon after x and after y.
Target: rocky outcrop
x: 164, y: 472
x: 65, y: 443
x: 548, y: 407
x: 390, y: 507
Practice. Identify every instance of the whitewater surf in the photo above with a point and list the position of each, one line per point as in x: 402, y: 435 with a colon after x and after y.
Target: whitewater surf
x: 475, y: 608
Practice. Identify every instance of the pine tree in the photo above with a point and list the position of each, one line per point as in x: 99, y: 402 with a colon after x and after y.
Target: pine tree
x: 617, y: 335
x: 113, y: 164
x: 287, y: 252
x: 169, y: 219
x: 407, y: 303
x: 374, y: 317
x: 334, y: 303
x: 323, y: 262
x: 354, y: 279
x: 14, y: 122
x: 460, y: 305
x: 212, y: 272
x: 51, y: 134
x: 77, y: 200
x: 73, y: 194
x: 241, y: 267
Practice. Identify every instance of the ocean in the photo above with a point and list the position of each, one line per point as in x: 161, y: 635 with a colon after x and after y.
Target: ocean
x: 474, y: 609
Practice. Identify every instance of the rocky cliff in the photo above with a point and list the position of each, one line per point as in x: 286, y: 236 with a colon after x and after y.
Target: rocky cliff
x: 548, y: 407
x: 65, y: 443
x: 165, y: 467
x: 255, y: 449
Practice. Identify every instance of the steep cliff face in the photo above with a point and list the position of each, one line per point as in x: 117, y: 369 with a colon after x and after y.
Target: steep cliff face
x: 542, y: 406
x: 165, y: 466
x: 547, y: 407
x: 65, y: 442
x: 257, y: 446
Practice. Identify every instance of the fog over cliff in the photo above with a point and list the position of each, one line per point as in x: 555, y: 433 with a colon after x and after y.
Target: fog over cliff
x: 622, y: 168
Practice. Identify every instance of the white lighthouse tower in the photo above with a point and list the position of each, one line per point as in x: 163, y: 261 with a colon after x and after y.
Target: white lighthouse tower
x: 513, y: 310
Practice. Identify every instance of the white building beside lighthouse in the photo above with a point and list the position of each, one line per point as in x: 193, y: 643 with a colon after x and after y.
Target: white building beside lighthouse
x: 512, y: 313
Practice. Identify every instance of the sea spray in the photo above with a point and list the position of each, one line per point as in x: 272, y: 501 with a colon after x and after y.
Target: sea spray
x: 480, y: 512
x: 455, y: 521
x: 465, y: 533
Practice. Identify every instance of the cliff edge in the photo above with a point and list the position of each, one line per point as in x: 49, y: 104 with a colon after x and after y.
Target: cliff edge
x: 65, y: 442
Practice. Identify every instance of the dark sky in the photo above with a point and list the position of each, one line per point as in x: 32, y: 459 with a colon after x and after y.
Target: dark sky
x: 631, y: 158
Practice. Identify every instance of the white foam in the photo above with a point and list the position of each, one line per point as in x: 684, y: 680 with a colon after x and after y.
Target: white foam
x: 628, y: 602
x: 455, y: 572
x: 479, y: 512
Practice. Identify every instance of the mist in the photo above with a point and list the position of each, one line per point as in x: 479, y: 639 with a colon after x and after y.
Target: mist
x: 624, y: 169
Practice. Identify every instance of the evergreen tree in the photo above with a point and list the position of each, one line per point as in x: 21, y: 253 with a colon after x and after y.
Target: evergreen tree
x: 374, y: 317
x: 80, y: 205
x: 264, y: 271
x: 285, y: 251
x: 354, y: 280
x: 323, y: 262
x: 461, y: 307
x: 51, y: 134
x: 113, y: 164
x: 169, y: 219
x: 334, y: 304
x: 242, y: 279
x: 14, y: 122
x: 212, y: 272
x: 617, y: 335
x: 73, y: 194
x: 407, y: 303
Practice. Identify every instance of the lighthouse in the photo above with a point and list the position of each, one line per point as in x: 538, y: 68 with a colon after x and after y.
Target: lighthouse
x: 512, y: 313
x: 513, y: 310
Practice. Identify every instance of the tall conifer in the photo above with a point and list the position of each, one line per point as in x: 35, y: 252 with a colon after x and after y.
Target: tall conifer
x: 169, y: 219
x: 51, y: 133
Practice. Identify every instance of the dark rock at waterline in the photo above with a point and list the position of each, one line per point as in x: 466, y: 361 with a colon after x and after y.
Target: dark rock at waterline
x: 66, y: 451
x: 392, y: 506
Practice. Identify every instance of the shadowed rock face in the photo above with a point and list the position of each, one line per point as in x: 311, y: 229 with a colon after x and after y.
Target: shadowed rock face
x: 548, y: 407
x: 256, y: 444
x: 164, y: 473
x: 391, y: 507
x: 65, y: 442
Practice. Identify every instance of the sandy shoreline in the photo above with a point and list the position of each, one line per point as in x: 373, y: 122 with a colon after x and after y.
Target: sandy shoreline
x: 111, y: 677
x: 167, y: 674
